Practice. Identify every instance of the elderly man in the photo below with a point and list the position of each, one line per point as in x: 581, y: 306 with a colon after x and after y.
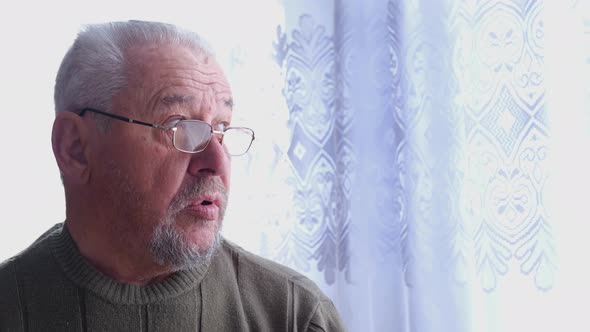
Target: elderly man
x: 143, y: 140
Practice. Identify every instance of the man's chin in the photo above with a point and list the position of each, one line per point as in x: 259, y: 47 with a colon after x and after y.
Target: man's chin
x: 185, y: 248
x: 202, y: 236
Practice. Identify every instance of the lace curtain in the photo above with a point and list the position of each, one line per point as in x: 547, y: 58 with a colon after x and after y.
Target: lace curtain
x: 424, y: 161
x: 415, y: 158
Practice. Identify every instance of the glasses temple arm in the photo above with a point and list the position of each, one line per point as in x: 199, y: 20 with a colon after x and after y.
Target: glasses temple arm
x: 122, y: 118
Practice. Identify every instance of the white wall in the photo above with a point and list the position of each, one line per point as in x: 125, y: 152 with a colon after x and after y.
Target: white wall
x: 34, y: 38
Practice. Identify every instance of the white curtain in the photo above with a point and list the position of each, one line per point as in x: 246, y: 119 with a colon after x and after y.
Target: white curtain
x: 425, y: 160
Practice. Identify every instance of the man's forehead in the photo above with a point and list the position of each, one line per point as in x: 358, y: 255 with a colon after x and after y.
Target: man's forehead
x: 154, y: 62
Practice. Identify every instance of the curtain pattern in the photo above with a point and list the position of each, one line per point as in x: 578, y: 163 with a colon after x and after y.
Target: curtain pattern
x: 411, y: 174
x: 320, y: 150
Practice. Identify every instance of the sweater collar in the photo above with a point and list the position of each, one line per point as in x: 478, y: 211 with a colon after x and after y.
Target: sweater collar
x: 82, y: 273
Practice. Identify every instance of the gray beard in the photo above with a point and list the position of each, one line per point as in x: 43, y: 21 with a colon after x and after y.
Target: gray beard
x: 169, y: 245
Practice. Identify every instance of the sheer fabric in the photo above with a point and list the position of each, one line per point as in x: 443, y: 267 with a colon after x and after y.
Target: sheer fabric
x: 422, y: 160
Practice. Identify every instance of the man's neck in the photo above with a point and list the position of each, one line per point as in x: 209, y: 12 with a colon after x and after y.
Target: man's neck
x: 118, y: 261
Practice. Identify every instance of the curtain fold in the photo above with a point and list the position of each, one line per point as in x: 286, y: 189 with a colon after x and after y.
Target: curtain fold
x: 420, y: 171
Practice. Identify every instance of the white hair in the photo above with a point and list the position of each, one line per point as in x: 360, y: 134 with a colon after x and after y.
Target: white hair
x: 94, y: 68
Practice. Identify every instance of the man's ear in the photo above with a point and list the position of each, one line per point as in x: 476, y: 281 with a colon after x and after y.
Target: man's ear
x: 69, y: 139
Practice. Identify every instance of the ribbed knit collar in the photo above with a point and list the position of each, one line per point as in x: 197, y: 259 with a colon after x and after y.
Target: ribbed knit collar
x: 86, y: 276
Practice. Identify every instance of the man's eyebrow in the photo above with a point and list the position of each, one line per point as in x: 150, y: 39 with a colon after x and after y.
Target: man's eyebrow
x: 176, y: 99
x: 229, y: 103
x: 184, y: 100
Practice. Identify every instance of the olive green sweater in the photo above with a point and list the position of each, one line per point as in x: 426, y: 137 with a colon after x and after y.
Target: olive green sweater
x: 51, y: 287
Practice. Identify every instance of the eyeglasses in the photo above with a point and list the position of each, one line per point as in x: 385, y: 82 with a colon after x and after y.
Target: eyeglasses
x: 193, y: 136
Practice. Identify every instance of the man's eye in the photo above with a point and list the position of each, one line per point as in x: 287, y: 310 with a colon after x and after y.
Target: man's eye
x: 173, y: 121
x: 221, y: 126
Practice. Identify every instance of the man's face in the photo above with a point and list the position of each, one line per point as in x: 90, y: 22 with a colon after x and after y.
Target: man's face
x: 168, y: 202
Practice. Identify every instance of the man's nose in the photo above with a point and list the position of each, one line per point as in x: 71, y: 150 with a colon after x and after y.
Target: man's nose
x: 213, y: 160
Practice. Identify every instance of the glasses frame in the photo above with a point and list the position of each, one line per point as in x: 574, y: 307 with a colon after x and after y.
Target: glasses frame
x: 174, y: 128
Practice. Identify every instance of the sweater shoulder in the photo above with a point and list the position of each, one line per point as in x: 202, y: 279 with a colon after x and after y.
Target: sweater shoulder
x: 8, y: 281
x: 38, y: 251
x: 26, y: 266
x: 15, y: 275
x: 276, y: 294
x: 260, y: 268
x: 10, y: 304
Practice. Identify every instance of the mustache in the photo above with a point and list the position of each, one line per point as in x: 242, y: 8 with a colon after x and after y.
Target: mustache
x: 199, y: 186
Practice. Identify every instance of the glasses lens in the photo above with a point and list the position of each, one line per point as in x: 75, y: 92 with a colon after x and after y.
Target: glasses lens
x: 191, y: 135
x: 237, y: 141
